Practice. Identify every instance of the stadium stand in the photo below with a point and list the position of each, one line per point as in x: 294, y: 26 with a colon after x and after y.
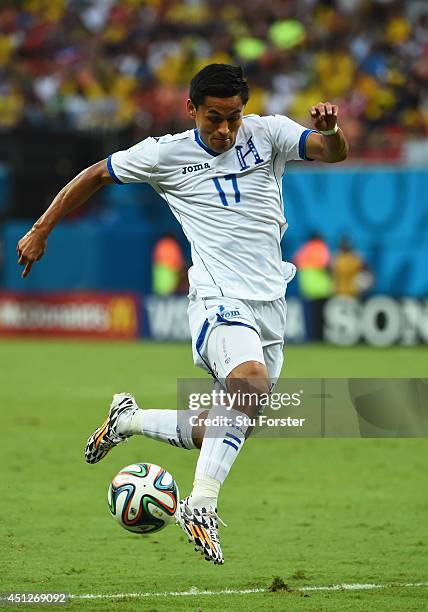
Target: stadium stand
x: 110, y: 65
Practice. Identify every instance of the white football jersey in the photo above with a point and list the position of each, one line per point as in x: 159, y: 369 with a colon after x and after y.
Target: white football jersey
x: 229, y: 204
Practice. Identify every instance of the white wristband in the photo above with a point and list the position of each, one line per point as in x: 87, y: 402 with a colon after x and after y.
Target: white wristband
x: 329, y: 132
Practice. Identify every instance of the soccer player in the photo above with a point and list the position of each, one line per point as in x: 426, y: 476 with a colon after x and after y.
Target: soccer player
x: 223, y: 182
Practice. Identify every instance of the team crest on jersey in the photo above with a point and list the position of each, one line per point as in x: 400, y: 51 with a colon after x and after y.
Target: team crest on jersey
x: 251, y: 150
x: 195, y: 168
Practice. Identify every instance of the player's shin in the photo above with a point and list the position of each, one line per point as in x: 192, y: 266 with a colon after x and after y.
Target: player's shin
x: 225, y: 434
x: 220, y: 448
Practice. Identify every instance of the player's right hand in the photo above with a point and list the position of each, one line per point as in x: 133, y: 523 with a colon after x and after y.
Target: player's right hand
x: 30, y: 249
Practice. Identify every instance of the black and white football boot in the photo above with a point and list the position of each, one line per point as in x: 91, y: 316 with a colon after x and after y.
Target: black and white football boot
x: 106, y: 436
x: 201, y: 528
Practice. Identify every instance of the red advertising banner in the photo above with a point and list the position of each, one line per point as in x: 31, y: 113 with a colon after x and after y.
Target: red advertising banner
x: 92, y: 315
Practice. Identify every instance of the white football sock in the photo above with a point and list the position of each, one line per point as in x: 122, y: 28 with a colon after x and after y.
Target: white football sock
x: 205, y: 492
x: 220, y: 447
x: 171, y: 426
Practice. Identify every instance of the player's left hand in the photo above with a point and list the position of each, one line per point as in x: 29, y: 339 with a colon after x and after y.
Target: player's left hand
x: 324, y: 116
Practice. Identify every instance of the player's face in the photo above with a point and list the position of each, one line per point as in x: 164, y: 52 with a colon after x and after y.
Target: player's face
x: 218, y: 121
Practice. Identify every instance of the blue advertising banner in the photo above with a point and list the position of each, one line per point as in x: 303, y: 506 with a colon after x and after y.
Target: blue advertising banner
x: 382, y: 211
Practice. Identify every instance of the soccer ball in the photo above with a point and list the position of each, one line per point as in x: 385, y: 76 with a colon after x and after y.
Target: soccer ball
x: 143, y: 498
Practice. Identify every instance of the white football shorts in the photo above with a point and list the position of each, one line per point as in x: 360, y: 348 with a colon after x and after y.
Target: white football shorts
x: 227, y: 332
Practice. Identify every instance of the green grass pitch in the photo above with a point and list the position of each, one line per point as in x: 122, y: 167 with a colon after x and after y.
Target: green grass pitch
x: 312, y: 512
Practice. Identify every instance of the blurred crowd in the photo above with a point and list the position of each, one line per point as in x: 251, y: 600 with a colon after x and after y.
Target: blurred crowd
x: 113, y: 64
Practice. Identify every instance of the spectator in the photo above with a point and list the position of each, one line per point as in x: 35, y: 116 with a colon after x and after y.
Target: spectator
x: 110, y: 64
x: 168, y: 266
x: 350, y: 274
x: 315, y: 283
x: 313, y: 261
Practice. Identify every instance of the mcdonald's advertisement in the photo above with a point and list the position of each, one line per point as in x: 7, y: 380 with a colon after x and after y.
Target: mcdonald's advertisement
x: 91, y: 315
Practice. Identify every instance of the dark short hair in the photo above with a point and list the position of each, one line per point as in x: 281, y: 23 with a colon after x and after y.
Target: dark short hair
x: 220, y: 81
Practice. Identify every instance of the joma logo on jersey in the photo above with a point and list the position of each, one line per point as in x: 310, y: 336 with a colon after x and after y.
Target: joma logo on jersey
x: 195, y: 168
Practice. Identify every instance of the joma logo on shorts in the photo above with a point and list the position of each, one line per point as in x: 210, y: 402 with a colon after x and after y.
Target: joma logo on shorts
x: 195, y: 168
x: 230, y: 313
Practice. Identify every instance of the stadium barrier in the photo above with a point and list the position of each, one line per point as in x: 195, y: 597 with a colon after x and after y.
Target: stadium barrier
x: 87, y: 315
x: 377, y: 321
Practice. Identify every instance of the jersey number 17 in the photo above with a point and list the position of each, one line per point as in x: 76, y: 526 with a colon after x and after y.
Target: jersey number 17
x: 234, y: 181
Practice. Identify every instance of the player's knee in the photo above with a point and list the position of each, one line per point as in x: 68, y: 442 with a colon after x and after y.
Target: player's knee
x: 198, y: 430
x: 250, y: 375
x: 250, y: 370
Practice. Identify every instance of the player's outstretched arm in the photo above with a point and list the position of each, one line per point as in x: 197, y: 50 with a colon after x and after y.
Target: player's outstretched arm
x: 32, y: 246
x: 328, y: 144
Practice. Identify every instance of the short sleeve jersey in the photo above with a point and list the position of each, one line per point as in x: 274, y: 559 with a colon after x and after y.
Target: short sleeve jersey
x: 229, y: 204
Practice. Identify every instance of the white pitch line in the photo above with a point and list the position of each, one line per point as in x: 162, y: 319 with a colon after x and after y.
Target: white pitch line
x: 194, y: 591
x: 361, y: 587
